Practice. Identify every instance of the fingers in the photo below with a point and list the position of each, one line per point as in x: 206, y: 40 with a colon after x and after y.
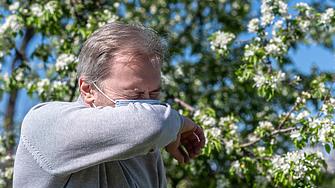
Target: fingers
x: 180, y: 155
x: 200, y: 133
x: 191, y: 144
x: 189, y: 128
x: 185, y: 156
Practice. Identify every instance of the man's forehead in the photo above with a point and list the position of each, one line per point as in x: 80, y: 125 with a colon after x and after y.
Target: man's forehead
x: 134, y: 62
x: 139, y: 73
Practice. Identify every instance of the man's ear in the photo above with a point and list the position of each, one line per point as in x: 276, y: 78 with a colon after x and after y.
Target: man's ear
x: 86, y: 91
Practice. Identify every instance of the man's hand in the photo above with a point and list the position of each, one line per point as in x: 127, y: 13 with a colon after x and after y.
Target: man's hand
x: 191, y: 137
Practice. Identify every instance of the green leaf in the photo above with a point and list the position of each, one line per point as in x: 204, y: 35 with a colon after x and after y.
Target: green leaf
x: 82, y: 32
x: 282, y: 177
x: 327, y: 147
x: 247, y: 177
x: 324, y: 164
x: 329, y: 116
x: 255, y: 60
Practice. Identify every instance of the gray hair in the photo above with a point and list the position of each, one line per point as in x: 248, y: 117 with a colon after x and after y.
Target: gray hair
x: 115, y: 39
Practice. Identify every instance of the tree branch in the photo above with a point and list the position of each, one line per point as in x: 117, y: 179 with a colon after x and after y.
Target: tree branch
x: 324, y: 100
x: 289, y: 113
x: 269, y: 135
x: 184, y: 104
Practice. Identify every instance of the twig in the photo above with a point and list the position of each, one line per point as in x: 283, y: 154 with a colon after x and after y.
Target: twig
x: 242, y: 41
x: 324, y: 100
x: 248, y: 136
x: 184, y: 104
x: 289, y: 113
x: 284, y: 120
x: 269, y: 135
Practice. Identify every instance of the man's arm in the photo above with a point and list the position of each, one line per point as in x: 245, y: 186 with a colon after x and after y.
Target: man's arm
x: 64, y: 137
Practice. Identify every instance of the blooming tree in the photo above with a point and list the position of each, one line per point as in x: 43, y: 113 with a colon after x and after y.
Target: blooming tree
x: 293, y: 169
x: 251, y: 112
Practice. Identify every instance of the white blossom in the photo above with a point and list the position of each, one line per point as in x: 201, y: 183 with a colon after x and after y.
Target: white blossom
x: 304, y: 25
x: 212, y: 132
x: 36, y: 10
x: 221, y: 41
x: 229, y: 146
x: 6, y: 77
x: 322, y: 87
x: 326, y: 17
x: 267, y: 19
x: 57, y: 84
x: 272, y: 49
x: 209, y: 121
x: 41, y: 85
x: 260, y: 80
x: 153, y: 9
x: 265, y: 125
x: 283, y: 163
x: 237, y: 167
x: 303, y: 6
x: 225, y: 119
x: 250, y: 52
x: 13, y: 7
x: 253, y: 25
x: 48, y: 7
x: 196, y: 113
x: 267, y: 16
x: 63, y: 60
x: 19, y: 76
x: 324, y: 127
x: 11, y: 22
x: 295, y: 134
x: 278, y: 24
x: 116, y: 5
x: 324, y: 108
x: 302, y: 115
x: 297, y: 78
x: 283, y: 8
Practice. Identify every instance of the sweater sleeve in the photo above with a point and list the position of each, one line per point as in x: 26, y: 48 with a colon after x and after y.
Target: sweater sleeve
x: 67, y: 137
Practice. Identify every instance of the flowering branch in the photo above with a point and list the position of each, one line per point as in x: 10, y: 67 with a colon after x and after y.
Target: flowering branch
x: 289, y: 113
x: 269, y: 135
x: 284, y: 120
x: 324, y: 100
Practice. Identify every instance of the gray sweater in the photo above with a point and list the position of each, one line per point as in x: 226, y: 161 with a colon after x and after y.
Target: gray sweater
x: 66, y: 144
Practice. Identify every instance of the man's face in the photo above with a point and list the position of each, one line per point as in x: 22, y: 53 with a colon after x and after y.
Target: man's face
x: 138, y: 79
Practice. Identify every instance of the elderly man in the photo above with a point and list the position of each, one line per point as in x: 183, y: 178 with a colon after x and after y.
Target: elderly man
x: 111, y: 136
